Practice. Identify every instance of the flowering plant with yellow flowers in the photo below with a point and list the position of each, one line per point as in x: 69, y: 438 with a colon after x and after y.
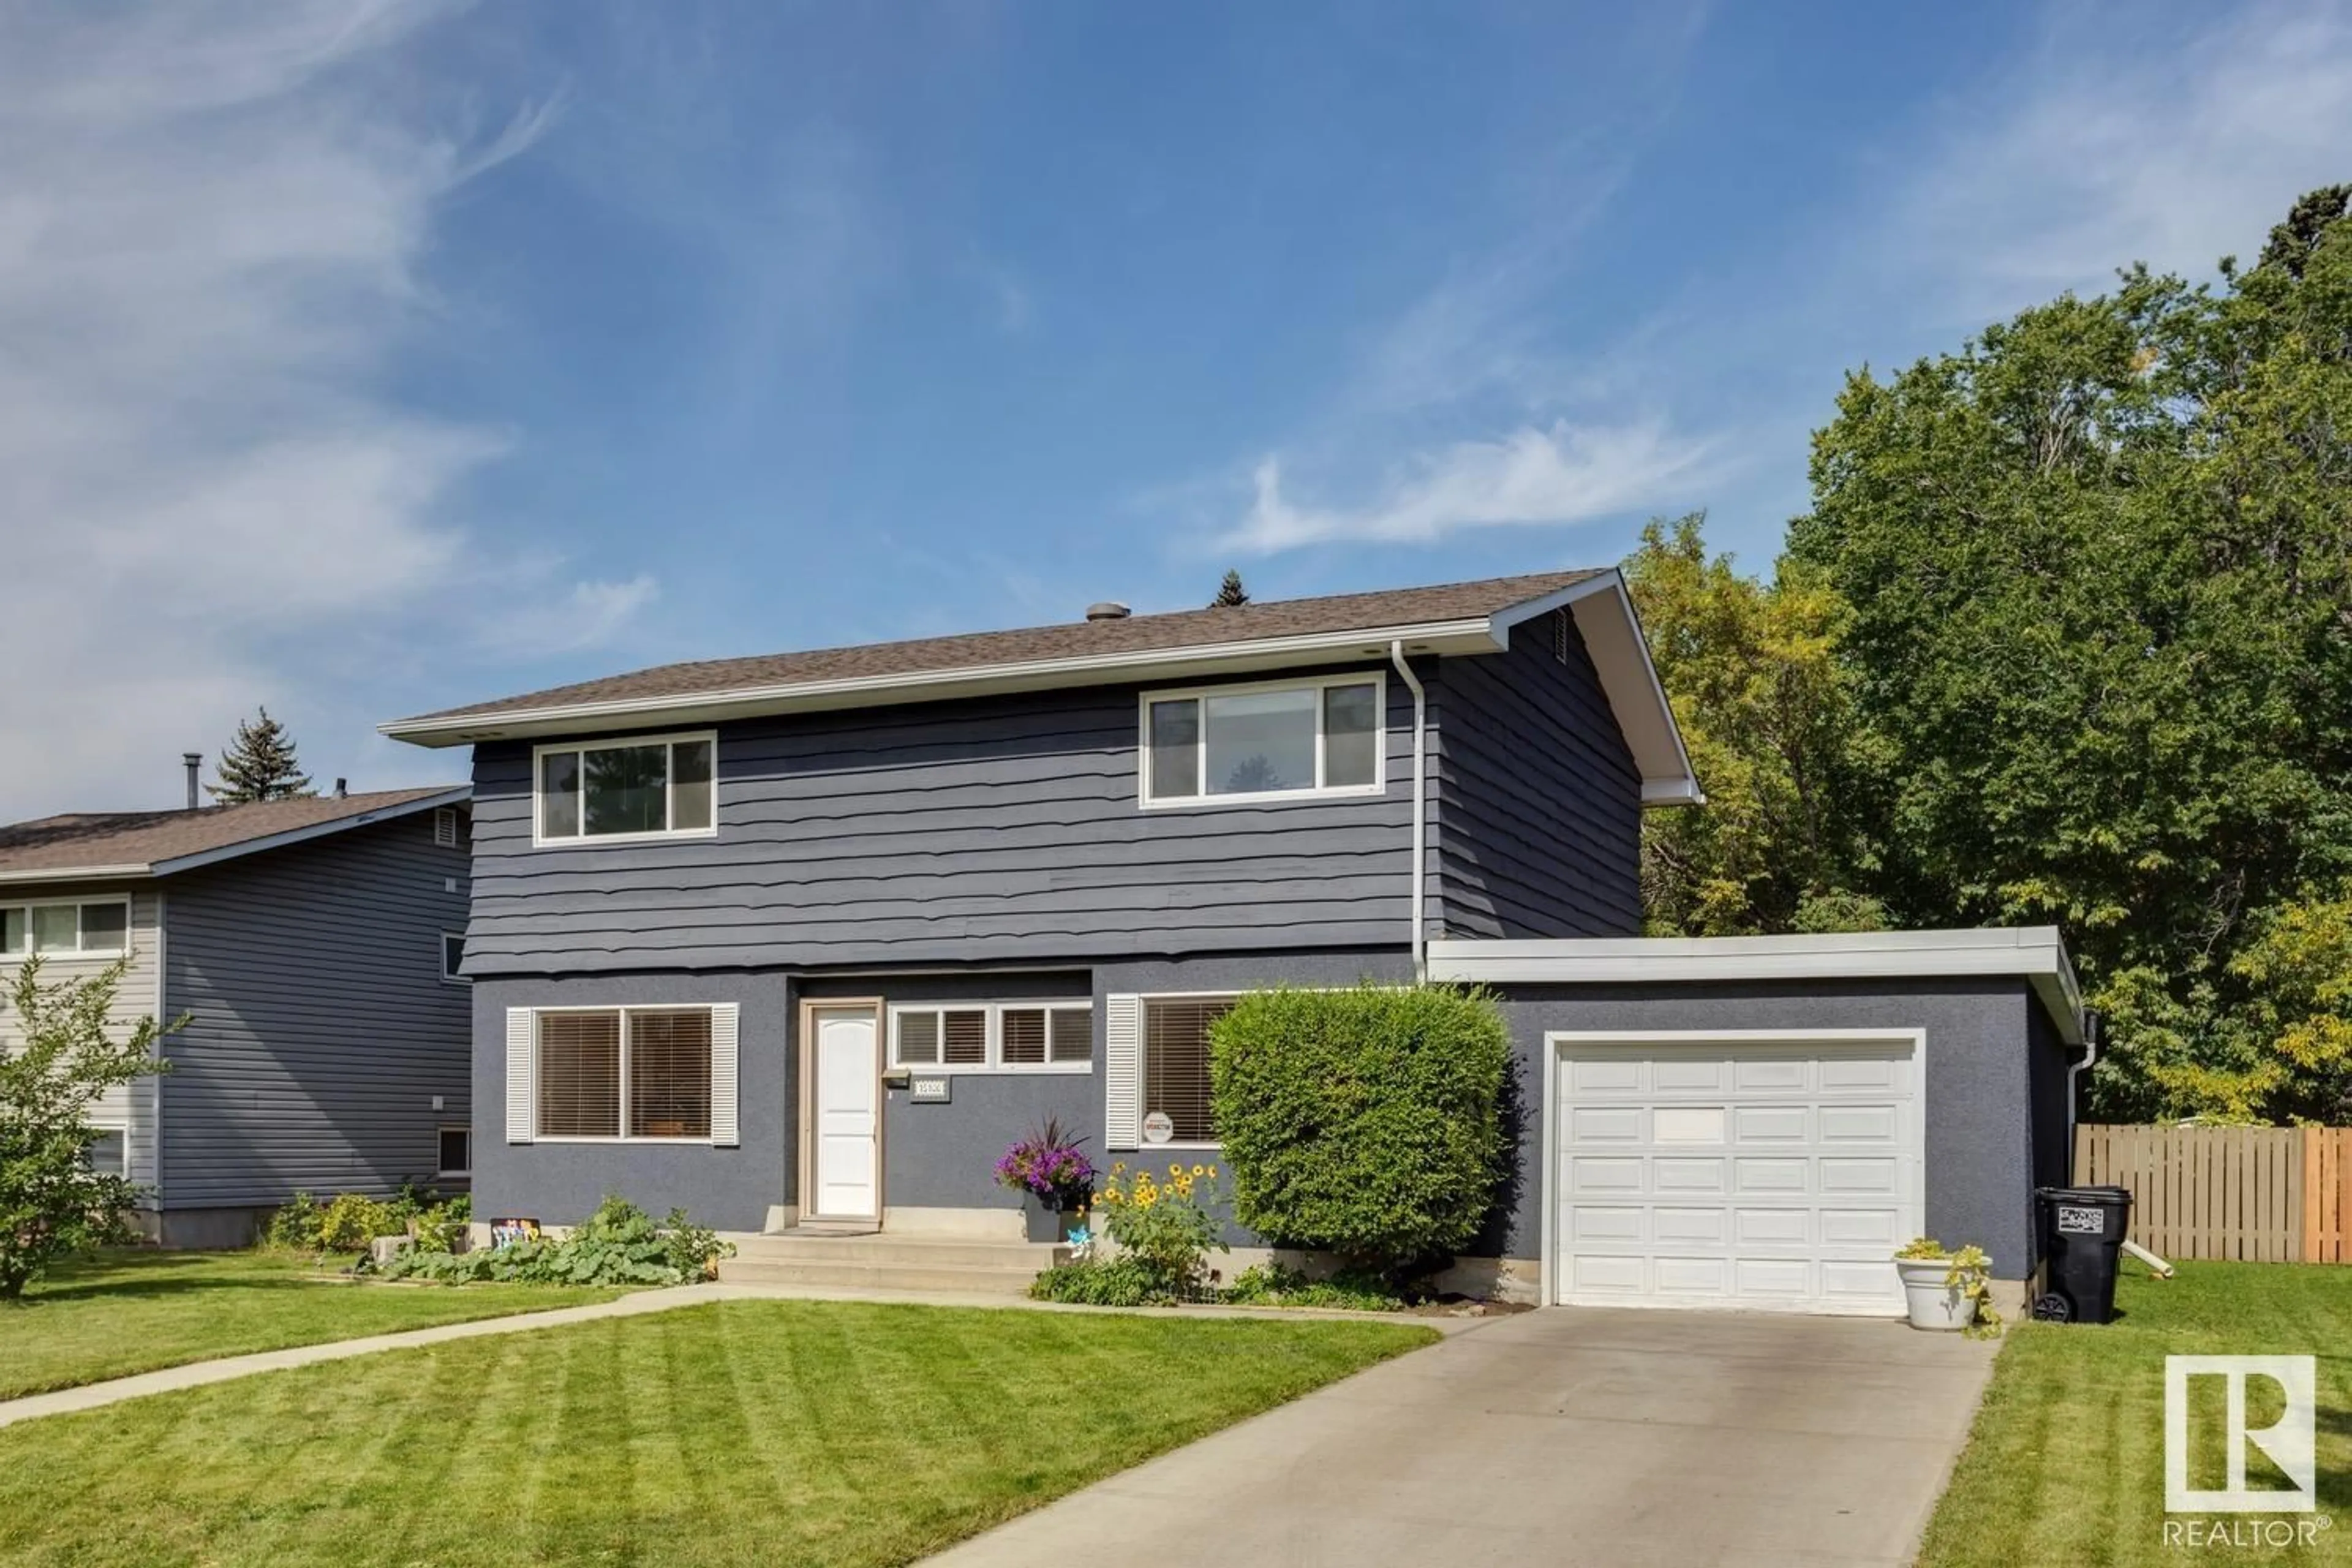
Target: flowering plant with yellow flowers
x: 1163, y: 1221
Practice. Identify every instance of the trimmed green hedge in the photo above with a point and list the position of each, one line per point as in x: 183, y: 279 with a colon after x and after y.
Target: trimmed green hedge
x: 1366, y: 1122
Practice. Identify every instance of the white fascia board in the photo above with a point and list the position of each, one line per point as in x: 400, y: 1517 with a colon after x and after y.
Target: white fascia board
x: 457, y: 794
x: 78, y: 874
x: 2035, y: 953
x: 1475, y: 635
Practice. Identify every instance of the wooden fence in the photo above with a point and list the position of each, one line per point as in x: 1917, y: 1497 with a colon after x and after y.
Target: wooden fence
x: 2256, y: 1195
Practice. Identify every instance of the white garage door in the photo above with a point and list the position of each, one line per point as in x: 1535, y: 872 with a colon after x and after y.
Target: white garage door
x: 1744, y: 1172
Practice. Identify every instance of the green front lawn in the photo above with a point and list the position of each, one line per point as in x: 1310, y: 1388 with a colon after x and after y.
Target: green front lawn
x: 138, y: 1310
x: 2066, y: 1464
x: 738, y: 1432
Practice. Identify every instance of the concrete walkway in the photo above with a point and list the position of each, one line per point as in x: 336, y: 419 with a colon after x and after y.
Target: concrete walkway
x: 1565, y: 1436
x: 195, y: 1374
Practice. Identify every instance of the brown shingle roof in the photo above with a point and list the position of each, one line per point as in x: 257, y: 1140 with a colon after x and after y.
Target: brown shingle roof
x: 130, y: 842
x: 1278, y: 618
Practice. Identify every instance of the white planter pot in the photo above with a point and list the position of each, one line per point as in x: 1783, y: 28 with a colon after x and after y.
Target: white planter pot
x: 1933, y: 1304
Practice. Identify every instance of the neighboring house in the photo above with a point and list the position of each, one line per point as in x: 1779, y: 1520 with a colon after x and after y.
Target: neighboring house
x: 315, y: 947
x: 806, y: 940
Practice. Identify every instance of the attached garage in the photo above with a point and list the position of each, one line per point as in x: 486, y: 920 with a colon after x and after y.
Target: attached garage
x: 1756, y: 1170
x: 1758, y: 1123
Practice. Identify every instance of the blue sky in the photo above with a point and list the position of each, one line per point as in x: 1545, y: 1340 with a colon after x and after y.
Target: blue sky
x: 362, y: 359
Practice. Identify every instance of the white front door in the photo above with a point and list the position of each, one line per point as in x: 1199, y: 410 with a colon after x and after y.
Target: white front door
x: 846, y: 1114
x: 1756, y: 1172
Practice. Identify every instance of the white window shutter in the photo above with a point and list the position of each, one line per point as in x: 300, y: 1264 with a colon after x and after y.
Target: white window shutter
x: 1123, y: 1072
x: 726, y: 1024
x: 522, y: 1074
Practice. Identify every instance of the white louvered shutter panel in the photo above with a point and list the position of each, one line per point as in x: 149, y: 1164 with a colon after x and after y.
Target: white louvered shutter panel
x: 1123, y: 1071
x: 726, y: 1025
x: 522, y: 1074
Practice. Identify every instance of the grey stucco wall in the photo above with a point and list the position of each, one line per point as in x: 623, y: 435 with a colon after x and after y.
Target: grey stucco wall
x: 986, y: 830
x: 559, y: 1183
x: 1980, y: 1119
x: 320, y: 1025
x: 1538, y: 800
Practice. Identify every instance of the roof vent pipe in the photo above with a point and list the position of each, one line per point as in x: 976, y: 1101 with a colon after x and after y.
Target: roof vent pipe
x: 342, y: 788
x: 1107, y: 610
x: 194, y: 762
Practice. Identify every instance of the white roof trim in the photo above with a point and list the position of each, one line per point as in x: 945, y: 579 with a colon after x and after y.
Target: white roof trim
x: 77, y: 874
x: 2036, y: 954
x: 456, y: 794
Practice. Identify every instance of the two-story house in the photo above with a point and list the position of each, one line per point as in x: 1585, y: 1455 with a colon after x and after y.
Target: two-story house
x: 807, y: 939
x: 313, y: 947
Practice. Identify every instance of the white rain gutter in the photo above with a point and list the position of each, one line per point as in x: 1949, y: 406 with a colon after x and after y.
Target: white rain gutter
x: 1419, y: 816
x: 2074, y: 1072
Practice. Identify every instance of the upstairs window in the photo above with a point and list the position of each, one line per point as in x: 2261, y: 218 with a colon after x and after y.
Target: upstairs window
x: 659, y: 787
x: 99, y: 929
x: 1298, y: 740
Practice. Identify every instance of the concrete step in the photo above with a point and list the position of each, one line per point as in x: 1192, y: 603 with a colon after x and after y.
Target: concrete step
x: 876, y: 1260
x: 943, y: 1252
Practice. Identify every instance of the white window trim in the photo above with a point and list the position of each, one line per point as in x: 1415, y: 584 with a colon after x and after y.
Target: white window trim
x: 454, y: 1127
x: 539, y: 836
x: 103, y: 954
x: 129, y: 1161
x: 996, y: 1063
x: 1318, y: 684
x: 688, y: 1140
x: 448, y: 976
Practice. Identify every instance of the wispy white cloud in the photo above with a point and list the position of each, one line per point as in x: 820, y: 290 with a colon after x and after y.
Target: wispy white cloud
x: 213, y: 219
x: 555, y: 622
x: 1561, y: 474
x: 2174, y: 147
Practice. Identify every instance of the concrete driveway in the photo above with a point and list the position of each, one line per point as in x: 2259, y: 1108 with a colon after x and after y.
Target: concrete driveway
x: 1565, y: 1436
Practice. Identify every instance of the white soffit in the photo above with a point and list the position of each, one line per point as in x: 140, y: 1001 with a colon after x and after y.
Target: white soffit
x: 2036, y: 954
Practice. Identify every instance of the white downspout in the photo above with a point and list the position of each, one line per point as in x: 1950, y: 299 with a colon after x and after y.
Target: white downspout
x: 2074, y: 1078
x: 1419, y: 816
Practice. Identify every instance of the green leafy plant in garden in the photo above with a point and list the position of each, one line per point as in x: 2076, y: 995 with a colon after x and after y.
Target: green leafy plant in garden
x: 352, y: 1221
x: 620, y: 1244
x: 1165, y: 1225
x: 1272, y: 1285
x: 66, y: 1056
x: 1124, y: 1281
x: 1365, y: 1122
x: 297, y: 1225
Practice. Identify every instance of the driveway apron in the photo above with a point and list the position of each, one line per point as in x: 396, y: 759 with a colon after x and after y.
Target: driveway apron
x: 1570, y: 1435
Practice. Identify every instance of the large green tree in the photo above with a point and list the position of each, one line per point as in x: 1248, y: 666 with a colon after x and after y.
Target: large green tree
x: 2099, y: 570
x: 1768, y: 715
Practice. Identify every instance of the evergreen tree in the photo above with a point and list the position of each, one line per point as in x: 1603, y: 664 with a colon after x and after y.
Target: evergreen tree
x: 1229, y: 593
x: 260, y: 764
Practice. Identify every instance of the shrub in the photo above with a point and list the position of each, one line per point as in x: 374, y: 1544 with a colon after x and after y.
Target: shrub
x: 298, y: 1226
x: 1101, y: 1283
x: 1366, y: 1122
x: 439, y: 1227
x: 1163, y: 1227
x: 1272, y: 1285
x: 351, y: 1221
x: 618, y: 1245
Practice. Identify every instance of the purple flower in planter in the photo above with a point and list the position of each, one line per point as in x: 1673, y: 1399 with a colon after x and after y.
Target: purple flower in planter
x: 1049, y: 1163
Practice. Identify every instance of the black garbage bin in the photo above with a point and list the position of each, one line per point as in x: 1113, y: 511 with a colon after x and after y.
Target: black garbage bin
x: 2082, y: 1243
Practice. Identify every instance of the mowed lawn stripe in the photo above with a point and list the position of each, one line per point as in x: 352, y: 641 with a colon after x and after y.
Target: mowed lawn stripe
x: 142, y: 1311
x: 738, y: 1432
x: 2065, y: 1465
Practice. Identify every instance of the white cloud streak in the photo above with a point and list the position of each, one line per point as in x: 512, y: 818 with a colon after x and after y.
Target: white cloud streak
x: 1562, y: 474
x: 2174, y: 149
x: 212, y: 222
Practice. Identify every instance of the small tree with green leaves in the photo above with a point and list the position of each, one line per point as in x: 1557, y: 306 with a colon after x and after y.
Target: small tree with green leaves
x: 1229, y: 593
x: 1368, y: 1123
x: 260, y: 764
x: 66, y: 1058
